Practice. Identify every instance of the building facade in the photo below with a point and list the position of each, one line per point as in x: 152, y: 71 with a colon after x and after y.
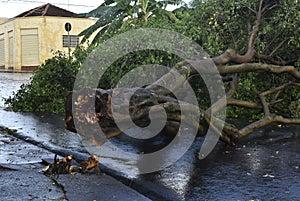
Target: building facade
x: 30, y: 38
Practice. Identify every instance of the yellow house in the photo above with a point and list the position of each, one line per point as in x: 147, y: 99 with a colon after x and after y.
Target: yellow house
x: 30, y: 38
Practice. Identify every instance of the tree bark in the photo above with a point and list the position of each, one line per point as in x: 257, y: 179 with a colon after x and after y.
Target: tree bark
x: 92, y: 107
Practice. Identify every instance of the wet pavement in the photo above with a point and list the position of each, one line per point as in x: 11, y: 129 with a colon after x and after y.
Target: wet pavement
x: 27, y: 185
x: 22, y: 179
x: 265, y: 166
x: 9, y: 82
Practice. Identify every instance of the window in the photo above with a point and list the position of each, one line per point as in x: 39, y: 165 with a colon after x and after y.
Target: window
x: 70, y: 40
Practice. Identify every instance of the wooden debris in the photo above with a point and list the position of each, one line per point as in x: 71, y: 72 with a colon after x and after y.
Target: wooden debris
x: 64, y: 166
x: 91, y: 164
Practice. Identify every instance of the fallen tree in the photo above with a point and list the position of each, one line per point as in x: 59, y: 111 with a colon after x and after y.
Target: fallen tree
x: 93, y: 106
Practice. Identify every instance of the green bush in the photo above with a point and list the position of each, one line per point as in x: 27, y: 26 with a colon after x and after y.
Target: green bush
x: 48, y: 86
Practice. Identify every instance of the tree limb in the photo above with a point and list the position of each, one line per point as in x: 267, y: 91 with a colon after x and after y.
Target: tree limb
x: 266, y: 121
x: 269, y: 117
x: 251, y: 67
x: 272, y: 60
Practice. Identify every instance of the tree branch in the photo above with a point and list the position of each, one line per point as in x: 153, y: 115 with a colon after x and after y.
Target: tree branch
x: 251, y: 67
x: 233, y: 86
x: 249, y: 8
x: 266, y: 121
x: 264, y: 104
x: 269, y: 7
x: 241, y: 103
x: 272, y: 60
x: 231, y: 56
x: 278, y: 46
x: 269, y: 118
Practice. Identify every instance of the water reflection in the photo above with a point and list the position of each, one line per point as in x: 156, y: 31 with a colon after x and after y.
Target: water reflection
x: 10, y: 82
x: 262, y: 169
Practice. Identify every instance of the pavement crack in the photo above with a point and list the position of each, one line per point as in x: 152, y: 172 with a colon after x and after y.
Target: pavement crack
x: 60, y: 186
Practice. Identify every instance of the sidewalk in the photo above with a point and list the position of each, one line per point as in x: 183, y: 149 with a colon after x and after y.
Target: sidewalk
x: 22, y: 185
x: 22, y: 178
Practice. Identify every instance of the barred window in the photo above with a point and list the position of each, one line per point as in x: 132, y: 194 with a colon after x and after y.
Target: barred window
x: 70, y: 40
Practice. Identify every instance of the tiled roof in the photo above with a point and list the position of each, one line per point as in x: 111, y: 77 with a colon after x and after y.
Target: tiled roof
x: 47, y: 10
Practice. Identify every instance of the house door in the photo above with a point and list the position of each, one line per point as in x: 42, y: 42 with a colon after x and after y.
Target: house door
x: 30, y: 48
x: 2, y: 51
x: 11, y: 49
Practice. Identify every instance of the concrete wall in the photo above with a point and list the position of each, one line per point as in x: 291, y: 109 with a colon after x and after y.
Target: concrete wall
x: 50, y: 36
x: 3, y: 19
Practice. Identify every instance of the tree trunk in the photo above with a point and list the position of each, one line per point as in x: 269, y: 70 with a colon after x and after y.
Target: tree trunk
x: 93, y: 108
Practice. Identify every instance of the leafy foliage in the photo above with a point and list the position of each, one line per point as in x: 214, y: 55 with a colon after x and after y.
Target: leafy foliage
x: 114, y: 15
x: 49, y: 85
x: 220, y: 25
x: 130, y: 61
